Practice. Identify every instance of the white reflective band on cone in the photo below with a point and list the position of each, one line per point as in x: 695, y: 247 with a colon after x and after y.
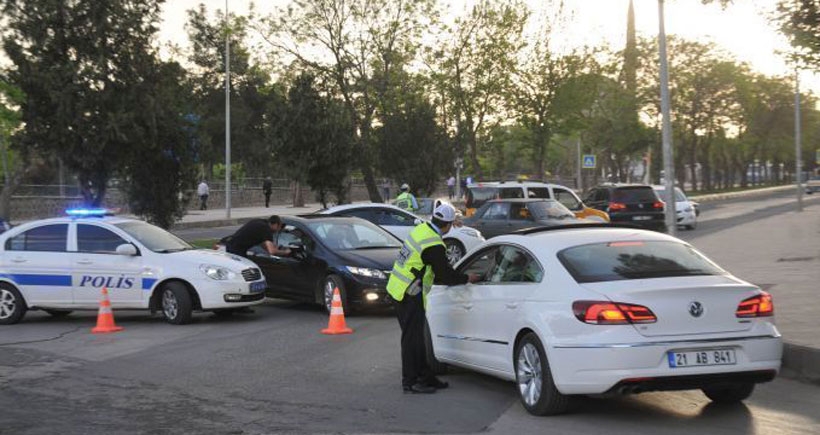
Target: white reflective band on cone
x: 336, y: 311
x: 336, y: 297
x: 105, y: 310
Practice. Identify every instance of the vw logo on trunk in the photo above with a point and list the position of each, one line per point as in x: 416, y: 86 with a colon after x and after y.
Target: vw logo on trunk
x: 695, y: 309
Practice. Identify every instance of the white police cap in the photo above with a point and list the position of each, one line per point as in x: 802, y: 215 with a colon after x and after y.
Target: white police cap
x: 445, y: 213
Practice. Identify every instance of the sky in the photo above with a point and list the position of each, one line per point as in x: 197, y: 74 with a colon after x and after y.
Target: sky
x: 742, y: 29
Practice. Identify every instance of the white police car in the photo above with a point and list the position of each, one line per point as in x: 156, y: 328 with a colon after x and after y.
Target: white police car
x: 61, y: 264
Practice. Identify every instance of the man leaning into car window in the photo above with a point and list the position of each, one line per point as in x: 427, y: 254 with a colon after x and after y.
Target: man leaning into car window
x: 255, y: 232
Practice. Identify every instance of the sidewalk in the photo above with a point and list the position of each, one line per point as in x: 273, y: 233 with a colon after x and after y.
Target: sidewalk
x: 781, y: 254
x: 217, y: 217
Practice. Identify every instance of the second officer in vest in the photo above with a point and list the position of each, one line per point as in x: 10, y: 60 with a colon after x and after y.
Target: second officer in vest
x: 422, y: 260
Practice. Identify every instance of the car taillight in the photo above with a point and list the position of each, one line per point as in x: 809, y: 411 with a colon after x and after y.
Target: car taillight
x: 615, y: 206
x: 756, y: 306
x: 658, y: 204
x: 612, y: 313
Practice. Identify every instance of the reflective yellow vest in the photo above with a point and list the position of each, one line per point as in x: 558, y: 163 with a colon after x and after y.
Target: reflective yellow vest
x: 403, y: 278
x: 405, y: 201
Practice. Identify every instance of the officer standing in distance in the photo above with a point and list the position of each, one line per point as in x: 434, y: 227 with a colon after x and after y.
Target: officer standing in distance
x: 406, y: 200
x: 422, y: 260
x: 255, y: 232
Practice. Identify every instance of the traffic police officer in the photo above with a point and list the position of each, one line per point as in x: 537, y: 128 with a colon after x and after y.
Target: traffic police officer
x: 422, y: 259
x: 406, y: 200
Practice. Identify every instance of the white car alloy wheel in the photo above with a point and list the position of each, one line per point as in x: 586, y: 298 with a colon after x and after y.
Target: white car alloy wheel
x: 529, y: 374
x: 170, y: 307
x: 536, y: 387
x: 12, y: 306
x: 455, y: 250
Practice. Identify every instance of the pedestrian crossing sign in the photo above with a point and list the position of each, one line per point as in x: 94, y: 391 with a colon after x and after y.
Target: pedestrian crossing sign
x: 588, y: 161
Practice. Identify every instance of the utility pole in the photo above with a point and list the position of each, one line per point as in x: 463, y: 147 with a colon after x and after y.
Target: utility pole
x: 579, y: 180
x: 666, y: 130
x: 798, y: 157
x: 227, y: 114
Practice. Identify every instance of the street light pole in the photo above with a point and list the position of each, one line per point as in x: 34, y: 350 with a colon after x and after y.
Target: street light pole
x: 227, y: 114
x: 666, y: 130
x: 798, y: 157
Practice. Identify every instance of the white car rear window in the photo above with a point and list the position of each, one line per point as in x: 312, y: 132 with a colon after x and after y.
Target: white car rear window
x: 624, y: 260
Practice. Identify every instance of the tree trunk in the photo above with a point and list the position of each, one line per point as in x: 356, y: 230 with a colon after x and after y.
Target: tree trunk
x: 296, y: 194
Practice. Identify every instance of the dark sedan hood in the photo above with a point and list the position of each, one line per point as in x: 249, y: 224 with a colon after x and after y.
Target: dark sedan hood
x: 381, y: 259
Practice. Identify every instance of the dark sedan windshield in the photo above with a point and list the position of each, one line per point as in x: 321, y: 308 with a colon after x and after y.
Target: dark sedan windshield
x: 344, y: 235
x: 616, y: 261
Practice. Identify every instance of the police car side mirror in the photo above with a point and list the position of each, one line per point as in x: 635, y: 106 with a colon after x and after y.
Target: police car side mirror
x: 127, y: 249
x: 417, y: 221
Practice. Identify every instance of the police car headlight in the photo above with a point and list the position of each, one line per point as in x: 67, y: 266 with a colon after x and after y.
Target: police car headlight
x: 364, y: 271
x: 217, y: 272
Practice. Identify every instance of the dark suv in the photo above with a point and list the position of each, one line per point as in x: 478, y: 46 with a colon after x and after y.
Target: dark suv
x: 636, y: 204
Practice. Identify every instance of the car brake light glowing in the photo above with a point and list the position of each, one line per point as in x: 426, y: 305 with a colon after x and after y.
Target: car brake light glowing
x: 659, y: 204
x: 612, y: 313
x: 615, y: 206
x: 756, y: 306
x: 619, y: 244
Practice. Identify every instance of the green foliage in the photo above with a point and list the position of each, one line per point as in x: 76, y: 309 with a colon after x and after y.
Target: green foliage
x: 798, y: 20
x: 412, y: 146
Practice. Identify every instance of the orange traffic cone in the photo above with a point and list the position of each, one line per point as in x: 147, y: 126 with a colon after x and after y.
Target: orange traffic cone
x: 105, y: 317
x: 336, y: 324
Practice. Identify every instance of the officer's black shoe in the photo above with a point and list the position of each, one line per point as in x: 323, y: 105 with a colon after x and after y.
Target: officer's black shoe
x: 418, y: 388
x: 435, y: 382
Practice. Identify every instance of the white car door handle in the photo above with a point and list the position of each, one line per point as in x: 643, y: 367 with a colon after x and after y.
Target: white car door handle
x: 84, y: 261
x: 512, y: 305
x: 18, y: 260
x: 467, y: 306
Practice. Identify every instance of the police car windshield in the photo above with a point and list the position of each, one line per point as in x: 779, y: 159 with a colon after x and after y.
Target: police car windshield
x: 154, y: 238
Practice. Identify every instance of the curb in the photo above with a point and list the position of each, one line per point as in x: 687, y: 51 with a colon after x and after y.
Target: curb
x: 741, y: 194
x: 801, y: 363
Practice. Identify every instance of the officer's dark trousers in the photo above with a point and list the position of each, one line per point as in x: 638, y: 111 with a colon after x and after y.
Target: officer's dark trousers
x: 410, y: 312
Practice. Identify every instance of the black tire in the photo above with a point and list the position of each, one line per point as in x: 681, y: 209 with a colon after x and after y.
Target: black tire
x: 57, y: 313
x: 437, y: 367
x: 335, y: 281
x: 455, y: 250
x: 12, y: 305
x: 534, y: 367
x: 730, y: 394
x: 176, y: 303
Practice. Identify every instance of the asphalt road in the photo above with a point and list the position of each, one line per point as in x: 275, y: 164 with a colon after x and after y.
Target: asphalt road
x: 273, y: 372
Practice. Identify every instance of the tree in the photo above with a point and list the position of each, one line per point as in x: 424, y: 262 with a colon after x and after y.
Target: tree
x: 358, y: 46
x: 79, y: 63
x: 13, y: 169
x: 471, y: 68
x: 797, y: 20
x: 248, y: 104
x: 412, y: 146
x: 316, y: 145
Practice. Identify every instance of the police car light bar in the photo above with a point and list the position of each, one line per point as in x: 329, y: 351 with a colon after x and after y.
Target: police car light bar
x: 86, y: 212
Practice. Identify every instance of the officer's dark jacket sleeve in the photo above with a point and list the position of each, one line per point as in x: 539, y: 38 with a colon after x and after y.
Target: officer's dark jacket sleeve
x: 436, y: 257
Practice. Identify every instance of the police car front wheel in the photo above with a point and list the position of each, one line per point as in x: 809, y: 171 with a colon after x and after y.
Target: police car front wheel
x: 12, y: 305
x: 177, y: 305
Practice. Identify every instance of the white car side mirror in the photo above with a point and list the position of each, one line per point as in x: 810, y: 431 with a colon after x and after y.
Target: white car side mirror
x: 417, y: 221
x: 127, y: 249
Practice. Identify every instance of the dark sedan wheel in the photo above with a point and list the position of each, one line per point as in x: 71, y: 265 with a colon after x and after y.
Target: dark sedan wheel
x: 455, y: 250
x: 12, y: 305
x: 730, y: 394
x: 331, y: 283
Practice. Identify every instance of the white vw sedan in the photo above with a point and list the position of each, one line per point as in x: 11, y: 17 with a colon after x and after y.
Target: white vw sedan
x: 594, y: 310
x: 61, y: 264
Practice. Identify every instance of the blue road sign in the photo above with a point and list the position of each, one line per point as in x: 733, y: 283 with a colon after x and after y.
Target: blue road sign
x: 588, y: 161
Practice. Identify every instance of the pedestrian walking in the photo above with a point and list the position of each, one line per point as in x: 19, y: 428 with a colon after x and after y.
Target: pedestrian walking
x: 451, y: 187
x: 267, y: 187
x: 422, y: 261
x: 406, y: 200
x: 386, y: 189
x: 203, y: 191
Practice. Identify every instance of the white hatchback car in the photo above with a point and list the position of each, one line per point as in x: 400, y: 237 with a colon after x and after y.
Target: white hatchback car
x: 459, y: 240
x: 685, y: 209
x: 61, y: 264
x: 604, y: 310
